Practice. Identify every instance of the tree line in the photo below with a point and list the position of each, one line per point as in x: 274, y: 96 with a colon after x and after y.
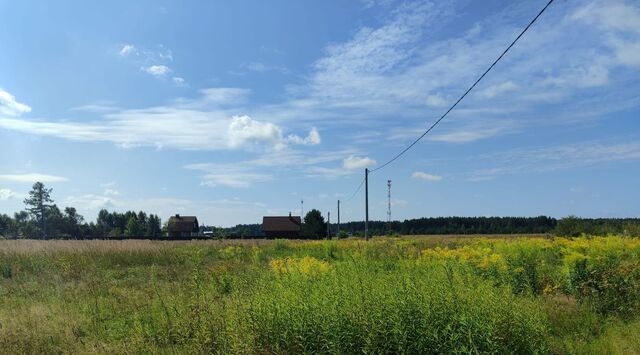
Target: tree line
x: 43, y: 219
x: 315, y: 227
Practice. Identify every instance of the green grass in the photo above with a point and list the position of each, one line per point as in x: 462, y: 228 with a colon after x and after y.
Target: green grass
x: 410, y: 296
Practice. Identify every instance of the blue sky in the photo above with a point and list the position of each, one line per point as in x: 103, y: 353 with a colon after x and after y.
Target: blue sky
x: 235, y: 110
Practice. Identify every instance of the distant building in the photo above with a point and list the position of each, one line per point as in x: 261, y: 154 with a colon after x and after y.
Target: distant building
x: 183, y: 226
x: 281, y: 226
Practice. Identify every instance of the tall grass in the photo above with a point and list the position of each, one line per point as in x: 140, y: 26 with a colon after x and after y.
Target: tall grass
x: 462, y: 295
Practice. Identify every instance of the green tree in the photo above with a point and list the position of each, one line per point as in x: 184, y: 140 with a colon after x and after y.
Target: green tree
x: 314, y: 226
x: 133, y: 228
x: 38, y: 202
x: 153, y: 228
x: 6, y: 225
x: 55, y: 221
x: 570, y: 226
x: 72, y: 222
x: 142, y: 222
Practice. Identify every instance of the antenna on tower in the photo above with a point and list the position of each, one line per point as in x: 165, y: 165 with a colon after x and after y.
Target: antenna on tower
x: 389, y: 203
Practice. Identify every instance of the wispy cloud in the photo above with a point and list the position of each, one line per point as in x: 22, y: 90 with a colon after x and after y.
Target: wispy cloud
x: 399, y: 69
x: 259, y: 67
x: 91, y: 202
x: 425, y: 176
x: 202, y: 124
x: 179, y: 81
x: 111, y: 192
x: 547, y: 159
x: 97, y: 107
x: 142, y: 54
x: 353, y: 162
x: 9, y: 106
x: 32, y: 177
x: 228, y: 175
x: 157, y: 70
x: 127, y: 50
x: 498, y: 89
x: 6, y: 194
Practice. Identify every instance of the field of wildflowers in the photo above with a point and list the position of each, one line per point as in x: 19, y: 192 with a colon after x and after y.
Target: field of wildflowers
x: 389, y: 295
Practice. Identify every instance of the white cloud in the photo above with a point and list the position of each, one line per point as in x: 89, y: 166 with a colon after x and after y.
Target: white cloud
x: 425, y: 176
x: 32, y: 177
x: 9, y: 106
x: 111, y: 192
x: 102, y: 106
x: 179, y: 81
x: 91, y: 202
x: 621, y: 24
x: 465, y: 136
x: 398, y: 203
x: 539, y: 160
x: 498, y: 89
x: 233, y: 179
x: 244, y: 131
x: 127, y: 49
x: 353, y: 162
x: 229, y: 175
x: 259, y: 67
x: 142, y: 55
x: 223, y: 96
x: 312, y: 139
x: 6, y: 194
x: 435, y: 101
x: 157, y: 70
x: 200, y: 124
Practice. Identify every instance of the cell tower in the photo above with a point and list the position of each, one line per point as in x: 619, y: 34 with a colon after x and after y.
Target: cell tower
x: 389, y: 203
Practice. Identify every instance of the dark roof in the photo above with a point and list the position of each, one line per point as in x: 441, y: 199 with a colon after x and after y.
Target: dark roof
x: 281, y: 223
x: 179, y: 223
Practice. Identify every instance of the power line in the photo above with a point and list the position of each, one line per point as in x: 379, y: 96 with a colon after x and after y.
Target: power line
x: 354, y: 192
x: 466, y: 92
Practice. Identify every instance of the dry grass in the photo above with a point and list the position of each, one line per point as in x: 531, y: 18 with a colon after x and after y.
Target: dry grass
x: 34, y: 246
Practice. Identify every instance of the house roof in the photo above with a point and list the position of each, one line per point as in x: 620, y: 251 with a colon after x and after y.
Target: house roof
x: 281, y: 223
x: 179, y: 223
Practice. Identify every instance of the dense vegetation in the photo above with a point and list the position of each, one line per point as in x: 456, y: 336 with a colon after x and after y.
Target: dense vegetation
x: 43, y: 219
x: 568, y: 226
x: 426, y: 295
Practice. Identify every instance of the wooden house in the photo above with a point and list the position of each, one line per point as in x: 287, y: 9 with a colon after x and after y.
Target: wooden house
x: 183, y: 226
x: 282, y: 226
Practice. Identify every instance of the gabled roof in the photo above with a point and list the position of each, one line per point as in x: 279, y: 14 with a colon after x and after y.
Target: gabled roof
x: 179, y: 223
x: 281, y: 223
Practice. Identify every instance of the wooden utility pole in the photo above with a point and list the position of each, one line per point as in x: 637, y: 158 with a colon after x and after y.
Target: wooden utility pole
x: 366, y: 203
x: 389, y: 201
x: 338, y: 217
x: 329, y: 225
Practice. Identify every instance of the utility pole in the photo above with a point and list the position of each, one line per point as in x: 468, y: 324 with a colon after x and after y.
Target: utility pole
x: 338, y: 217
x: 302, y: 209
x: 366, y: 203
x: 329, y: 225
x: 389, y: 204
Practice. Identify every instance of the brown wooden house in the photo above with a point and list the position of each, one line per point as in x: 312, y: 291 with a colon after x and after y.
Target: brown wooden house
x: 183, y: 226
x: 282, y: 226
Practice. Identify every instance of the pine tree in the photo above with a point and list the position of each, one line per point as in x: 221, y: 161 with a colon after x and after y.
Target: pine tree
x: 38, y: 202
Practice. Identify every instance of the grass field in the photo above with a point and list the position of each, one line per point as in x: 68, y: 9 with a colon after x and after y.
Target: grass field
x: 399, y: 295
